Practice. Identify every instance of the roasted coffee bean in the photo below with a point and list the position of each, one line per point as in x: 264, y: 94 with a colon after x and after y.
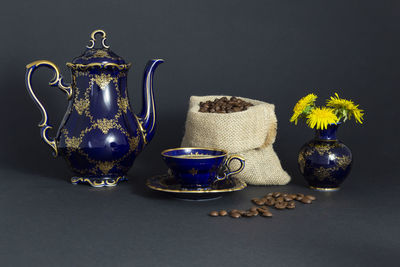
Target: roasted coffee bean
x: 235, y: 215
x: 262, y: 209
x: 234, y: 211
x: 254, y: 209
x: 254, y: 213
x: 300, y: 195
x: 288, y: 198
x: 250, y: 214
x: 223, y: 213
x: 291, y: 205
x: 280, y: 206
x: 259, y: 202
x: 276, y: 194
x: 224, y: 105
x: 306, y: 200
x: 294, y: 196
x: 270, y: 202
x: 269, y: 195
x: 299, y: 198
x: 266, y: 214
x: 311, y: 197
x: 242, y: 212
x: 280, y: 199
x: 284, y: 195
x: 214, y: 213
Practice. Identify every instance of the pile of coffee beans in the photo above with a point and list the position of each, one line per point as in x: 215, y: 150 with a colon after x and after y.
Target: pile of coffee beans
x: 277, y: 200
x: 224, y: 105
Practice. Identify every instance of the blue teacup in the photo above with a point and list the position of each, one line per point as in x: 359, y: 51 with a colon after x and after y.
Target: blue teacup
x: 198, y: 168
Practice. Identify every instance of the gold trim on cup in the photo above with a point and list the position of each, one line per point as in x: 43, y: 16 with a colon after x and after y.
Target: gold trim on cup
x: 201, y: 148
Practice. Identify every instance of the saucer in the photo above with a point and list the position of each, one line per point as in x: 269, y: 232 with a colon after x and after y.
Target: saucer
x: 168, y: 184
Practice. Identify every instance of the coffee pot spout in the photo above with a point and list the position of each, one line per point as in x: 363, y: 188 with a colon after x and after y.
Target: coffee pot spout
x: 147, y: 117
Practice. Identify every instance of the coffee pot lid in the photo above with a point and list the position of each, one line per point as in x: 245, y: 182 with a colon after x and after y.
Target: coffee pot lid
x: 101, y: 57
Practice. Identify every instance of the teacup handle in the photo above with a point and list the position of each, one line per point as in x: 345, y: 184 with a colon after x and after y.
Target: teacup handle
x: 227, y: 162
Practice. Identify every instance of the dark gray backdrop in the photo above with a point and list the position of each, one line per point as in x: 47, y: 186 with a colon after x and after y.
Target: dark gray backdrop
x: 275, y: 51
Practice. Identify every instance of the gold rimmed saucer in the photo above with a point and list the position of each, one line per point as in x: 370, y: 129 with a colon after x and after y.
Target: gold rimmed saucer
x: 167, y: 183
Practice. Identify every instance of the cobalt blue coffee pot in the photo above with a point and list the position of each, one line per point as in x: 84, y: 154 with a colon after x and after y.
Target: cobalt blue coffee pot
x: 100, y: 136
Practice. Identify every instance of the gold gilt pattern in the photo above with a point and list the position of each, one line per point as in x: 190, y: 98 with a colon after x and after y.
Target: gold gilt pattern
x: 193, y: 171
x: 308, y: 152
x: 343, y: 162
x: 94, y: 183
x: 133, y: 143
x: 105, y: 166
x: 322, y: 149
x: 81, y: 105
x: 123, y: 103
x: 73, y: 142
x: 81, y: 73
x: 302, y: 162
x: 105, y: 125
x: 102, y: 80
x: 323, y: 173
x: 196, y: 155
x: 101, y: 53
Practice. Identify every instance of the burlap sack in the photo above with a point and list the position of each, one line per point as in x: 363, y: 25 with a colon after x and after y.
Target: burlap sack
x: 249, y: 133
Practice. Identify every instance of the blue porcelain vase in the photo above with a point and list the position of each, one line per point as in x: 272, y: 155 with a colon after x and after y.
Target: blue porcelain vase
x: 325, y: 161
x: 100, y: 136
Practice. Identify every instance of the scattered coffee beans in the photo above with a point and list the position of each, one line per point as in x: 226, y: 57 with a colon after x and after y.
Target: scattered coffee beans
x: 214, y: 213
x: 306, y: 200
x: 224, y: 105
x: 223, y: 213
x: 278, y: 200
x: 311, y: 197
x: 266, y: 214
x: 254, y: 209
x: 235, y: 215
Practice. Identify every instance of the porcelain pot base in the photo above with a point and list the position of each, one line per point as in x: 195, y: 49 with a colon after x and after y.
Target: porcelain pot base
x: 325, y: 189
x: 98, y: 181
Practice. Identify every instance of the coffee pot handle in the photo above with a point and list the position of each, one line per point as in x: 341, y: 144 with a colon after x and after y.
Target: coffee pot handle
x: 229, y: 172
x: 57, y: 81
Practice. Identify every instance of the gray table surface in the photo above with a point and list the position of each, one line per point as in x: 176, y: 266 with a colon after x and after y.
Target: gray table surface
x: 46, y: 221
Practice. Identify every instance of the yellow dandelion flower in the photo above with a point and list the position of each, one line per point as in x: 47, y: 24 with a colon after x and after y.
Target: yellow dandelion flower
x: 301, y: 106
x: 345, y: 109
x: 357, y: 113
x: 319, y: 118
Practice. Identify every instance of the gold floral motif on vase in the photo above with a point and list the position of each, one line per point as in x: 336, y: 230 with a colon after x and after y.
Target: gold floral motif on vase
x: 302, y: 162
x: 322, y: 173
x: 343, y: 162
x: 322, y: 149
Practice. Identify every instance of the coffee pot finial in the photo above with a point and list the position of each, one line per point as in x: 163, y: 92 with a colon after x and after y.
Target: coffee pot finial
x: 93, y: 39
